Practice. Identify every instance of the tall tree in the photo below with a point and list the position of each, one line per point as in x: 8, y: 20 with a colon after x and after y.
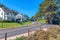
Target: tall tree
x: 48, y: 7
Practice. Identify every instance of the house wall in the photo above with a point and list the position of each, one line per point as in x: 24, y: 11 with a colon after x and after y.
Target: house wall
x: 18, y: 17
x: 9, y: 16
x: 6, y: 16
x: 1, y: 14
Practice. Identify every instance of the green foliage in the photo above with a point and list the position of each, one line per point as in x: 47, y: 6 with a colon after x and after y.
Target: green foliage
x: 47, y: 8
x: 44, y: 6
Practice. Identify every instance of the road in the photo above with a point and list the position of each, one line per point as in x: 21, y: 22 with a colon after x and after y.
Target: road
x: 20, y: 30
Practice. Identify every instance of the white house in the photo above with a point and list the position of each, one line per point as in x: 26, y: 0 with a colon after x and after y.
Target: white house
x: 20, y: 17
x: 6, y: 14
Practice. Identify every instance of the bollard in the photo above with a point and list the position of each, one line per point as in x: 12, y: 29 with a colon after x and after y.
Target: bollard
x: 5, y: 36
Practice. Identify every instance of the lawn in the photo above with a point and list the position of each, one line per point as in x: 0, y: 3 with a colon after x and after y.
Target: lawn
x: 42, y: 20
x: 13, y: 24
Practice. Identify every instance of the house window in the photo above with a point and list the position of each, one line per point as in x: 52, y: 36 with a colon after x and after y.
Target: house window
x: 7, y: 13
x: 8, y: 17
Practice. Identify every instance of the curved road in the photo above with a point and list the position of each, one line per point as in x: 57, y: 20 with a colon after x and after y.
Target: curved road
x: 19, y: 30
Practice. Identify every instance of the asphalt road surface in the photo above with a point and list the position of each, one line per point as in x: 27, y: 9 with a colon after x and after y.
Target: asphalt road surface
x: 19, y: 30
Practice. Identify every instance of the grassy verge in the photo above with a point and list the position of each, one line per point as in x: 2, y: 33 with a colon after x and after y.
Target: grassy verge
x: 42, y: 20
x: 13, y: 24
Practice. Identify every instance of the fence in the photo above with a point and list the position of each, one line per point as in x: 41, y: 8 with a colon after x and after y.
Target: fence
x: 27, y: 30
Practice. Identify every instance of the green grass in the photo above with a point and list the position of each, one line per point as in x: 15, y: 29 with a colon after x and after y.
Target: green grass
x: 25, y: 23
x: 21, y: 38
x: 42, y: 20
x: 13, y: 24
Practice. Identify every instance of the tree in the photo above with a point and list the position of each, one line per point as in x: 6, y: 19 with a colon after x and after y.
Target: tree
x: 47, y: 7
x: 33, y: 18
x: 26, y: 17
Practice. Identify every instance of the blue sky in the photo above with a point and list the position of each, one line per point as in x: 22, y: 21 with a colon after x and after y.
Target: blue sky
x: 28, y: 7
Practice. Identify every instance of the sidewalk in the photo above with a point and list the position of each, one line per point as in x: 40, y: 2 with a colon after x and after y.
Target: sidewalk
x: 14, y: 37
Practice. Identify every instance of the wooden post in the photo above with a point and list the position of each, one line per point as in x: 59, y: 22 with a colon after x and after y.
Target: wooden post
x: 41, y: 27
x: 28, y: 32
x: 5, y: 36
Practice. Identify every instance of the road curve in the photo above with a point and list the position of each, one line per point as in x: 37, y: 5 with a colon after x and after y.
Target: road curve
x: 18, y: 30
x: 21, y: 30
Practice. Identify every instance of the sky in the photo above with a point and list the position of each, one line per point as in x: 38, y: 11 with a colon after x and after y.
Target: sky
x: 27, y: 7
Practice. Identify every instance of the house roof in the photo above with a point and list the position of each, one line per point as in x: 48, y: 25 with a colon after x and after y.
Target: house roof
x: 7, y: 10
x: 19, y: 15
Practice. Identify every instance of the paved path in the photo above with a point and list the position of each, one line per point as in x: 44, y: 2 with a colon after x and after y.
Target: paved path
x: 20, y: 30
